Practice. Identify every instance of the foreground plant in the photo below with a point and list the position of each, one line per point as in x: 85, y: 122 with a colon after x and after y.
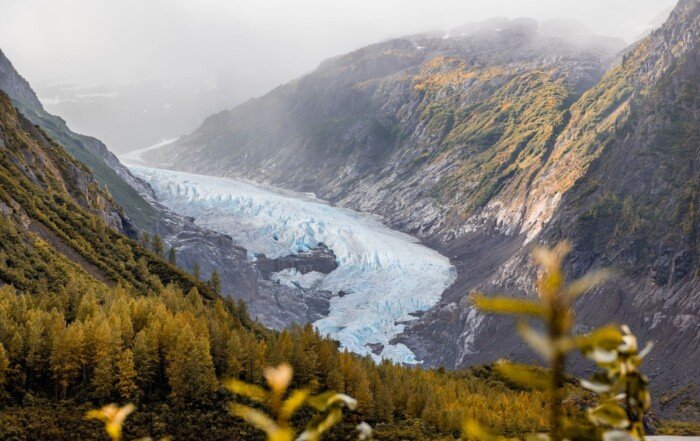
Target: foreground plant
x: 113, y: 418
x: 623, y: 391
x: 282, y: 405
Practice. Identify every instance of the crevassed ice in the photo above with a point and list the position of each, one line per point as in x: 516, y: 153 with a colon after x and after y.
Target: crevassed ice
x: 385, y: 274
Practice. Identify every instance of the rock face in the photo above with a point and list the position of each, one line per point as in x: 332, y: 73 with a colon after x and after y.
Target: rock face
x: 320, y: 259
x: 485, y: 143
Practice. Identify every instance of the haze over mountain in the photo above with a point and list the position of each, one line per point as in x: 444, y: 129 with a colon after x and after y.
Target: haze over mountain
x: 155, y: 72
x: 485, y: 141
x: 341, y: 221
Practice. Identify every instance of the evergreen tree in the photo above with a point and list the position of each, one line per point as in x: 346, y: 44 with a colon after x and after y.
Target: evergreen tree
x: 234, y: 362
x: 196, y: 272
x: 104, y: 378
x: 157, y: 245
x: 145, y: 355
x: 4, y: 366
x: 146, y: 239
x: 190, y: 368
x: 215, y: 282
x: 67, y: 356
x: 172, y: 256
x: 126, y: 377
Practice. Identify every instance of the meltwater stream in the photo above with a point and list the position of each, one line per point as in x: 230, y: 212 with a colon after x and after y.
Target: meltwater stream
x: 384, y: 275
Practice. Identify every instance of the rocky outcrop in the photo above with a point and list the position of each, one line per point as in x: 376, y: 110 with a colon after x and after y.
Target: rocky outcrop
x: 320, y: 259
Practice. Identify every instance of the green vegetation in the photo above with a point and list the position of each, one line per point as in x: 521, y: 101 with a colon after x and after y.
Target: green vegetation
x: 74, y: 345
x: 500, y: 141
x: 623, y: 395
x: 140, y: 211
x: 55, y: 228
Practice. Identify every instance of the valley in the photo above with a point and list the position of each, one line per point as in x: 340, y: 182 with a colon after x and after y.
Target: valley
x: 383, y: 279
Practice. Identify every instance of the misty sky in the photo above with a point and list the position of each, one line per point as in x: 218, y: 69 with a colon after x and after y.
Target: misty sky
x: 246, y: 47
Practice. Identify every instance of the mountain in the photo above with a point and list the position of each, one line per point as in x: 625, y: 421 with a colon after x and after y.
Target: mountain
x: 139, y: 212
x: 90, y: 151
x: 59, y: 227
x: 89, y: 316
x: 485, y: 143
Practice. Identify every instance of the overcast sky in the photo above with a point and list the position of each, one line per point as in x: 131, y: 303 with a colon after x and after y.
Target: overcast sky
x: 134, y: 72
x: 102, y: 41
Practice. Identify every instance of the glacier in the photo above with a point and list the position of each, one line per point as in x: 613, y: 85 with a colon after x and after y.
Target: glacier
x: 383, y: 275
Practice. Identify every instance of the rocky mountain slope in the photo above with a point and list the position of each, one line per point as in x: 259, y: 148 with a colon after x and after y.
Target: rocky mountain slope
x: 59, y: 228
x: 485, y: 143
x: 135, y: 209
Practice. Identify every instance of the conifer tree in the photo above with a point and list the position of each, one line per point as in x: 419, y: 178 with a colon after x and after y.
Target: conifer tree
x: 234, y: 363
x: 172, y: 256
x: 146, y: 239
x: 215, y: 282
x: 190, y: 368
x: 4, y: 366
x: 126, y: 381
x: 104, y: 378
x: 157, y: 245
x: 145, y: 355
x: 196, y: 272
x: 67, y: 356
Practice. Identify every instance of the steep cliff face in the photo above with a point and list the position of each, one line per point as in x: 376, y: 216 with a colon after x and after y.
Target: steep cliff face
x: 485, y: 143
x: 90, y: 151
x: 424, y: 130
x: 622, y: 185
x: 59, y: 228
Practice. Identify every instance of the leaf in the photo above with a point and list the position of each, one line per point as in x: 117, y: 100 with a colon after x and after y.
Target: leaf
x: 537, y: 341
x: 550, y: 259
x: 294, y: 402
x: 508, y: 305
x: 607, y: 337
x: 320, y: 424
x: 609, y: 414
x: 262, y: 422
x: 251, y: 391
x: 278, y: 378
x: 113, y: 416
x: 602, y: 356
x: 474, y: 430
x: 524, y: 375
x: 595, y: 386
x: 587, y: 282
x: 329, y: 399
x: 644, y: 352
x: 364, y: 431
x: 617, y: 435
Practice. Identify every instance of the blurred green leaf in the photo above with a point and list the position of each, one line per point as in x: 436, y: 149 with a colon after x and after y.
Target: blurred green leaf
x: 609, y: 414
x: 524, y: 375
x: 507, y: 305
x: 607, y: 338
x: 587, y: 282
x: 320, y: 424
x: 537, y: 341
x: 295, y: 401
x: 329, y: 399
x: 251, y: 391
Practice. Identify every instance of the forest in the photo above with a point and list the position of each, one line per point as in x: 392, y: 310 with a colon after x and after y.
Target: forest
x: 88, y: 345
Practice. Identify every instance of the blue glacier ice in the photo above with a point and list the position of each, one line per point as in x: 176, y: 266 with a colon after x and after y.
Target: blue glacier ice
x: 385, y: 274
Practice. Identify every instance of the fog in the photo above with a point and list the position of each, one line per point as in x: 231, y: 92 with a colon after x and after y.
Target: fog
x: 132, y: 72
